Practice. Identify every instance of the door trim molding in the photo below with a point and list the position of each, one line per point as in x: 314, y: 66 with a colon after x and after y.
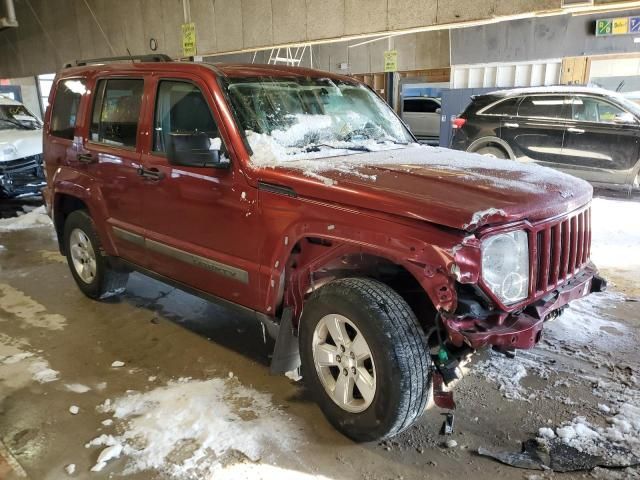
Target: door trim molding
x: 190, y: 258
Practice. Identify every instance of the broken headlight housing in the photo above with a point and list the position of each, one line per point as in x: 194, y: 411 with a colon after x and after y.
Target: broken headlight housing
x: 505, y: 266
x: 7, y: 150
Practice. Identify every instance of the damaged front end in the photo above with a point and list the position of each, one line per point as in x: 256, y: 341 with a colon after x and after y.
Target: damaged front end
x: 511, y: 279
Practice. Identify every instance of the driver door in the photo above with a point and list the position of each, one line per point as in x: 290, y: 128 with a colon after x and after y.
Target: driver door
x: 202, y: 226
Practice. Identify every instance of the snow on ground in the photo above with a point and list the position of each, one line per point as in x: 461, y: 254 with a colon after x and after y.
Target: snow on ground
x: 35, y: 218
x: 616, y: 233
x: 187, y: 427
x: 27, y: 310
x: 19, y: 366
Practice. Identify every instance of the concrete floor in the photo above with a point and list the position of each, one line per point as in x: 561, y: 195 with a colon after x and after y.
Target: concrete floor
x: 164, y: 333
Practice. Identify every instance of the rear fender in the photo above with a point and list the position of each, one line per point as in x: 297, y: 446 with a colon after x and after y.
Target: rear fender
x: 75, y: 184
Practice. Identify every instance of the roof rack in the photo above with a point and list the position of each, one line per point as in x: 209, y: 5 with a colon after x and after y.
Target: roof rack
x: 159, y: 57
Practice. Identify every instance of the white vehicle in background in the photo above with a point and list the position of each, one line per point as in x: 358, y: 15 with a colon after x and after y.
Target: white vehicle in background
x: 21, y: 172
x: 422, y: 115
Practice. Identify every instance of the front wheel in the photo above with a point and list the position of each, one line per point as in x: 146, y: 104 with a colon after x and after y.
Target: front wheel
x: 86, y: 258
x: 364, y: 358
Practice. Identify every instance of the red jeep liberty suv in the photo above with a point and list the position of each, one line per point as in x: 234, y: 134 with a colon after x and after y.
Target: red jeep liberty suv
x: 299, y: 196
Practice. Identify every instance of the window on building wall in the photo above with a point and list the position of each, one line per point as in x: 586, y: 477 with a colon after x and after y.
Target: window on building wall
x: 45, y: 83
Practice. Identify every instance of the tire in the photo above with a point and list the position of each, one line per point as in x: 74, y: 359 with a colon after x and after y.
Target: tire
x: 85, y: 254
x: 399, y: 357
x: 494, y: 152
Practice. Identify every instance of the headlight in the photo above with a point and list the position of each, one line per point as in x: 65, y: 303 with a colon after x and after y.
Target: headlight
x: 505, y: 266
x: 8, y: 150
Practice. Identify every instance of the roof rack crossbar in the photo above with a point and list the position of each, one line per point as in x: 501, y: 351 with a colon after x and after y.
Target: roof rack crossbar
x: 159, y: 57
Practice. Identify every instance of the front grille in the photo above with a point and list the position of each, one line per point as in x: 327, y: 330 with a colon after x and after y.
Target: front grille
x: 20, y: 165
x: 562, y: 248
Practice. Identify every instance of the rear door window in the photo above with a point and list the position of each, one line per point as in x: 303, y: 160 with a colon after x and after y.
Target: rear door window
x: 545, y: 106
x: 65, y: 107
x: 116, y: 112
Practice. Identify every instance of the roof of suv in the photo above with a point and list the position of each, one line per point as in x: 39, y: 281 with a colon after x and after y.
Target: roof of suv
x: 228, y: 69
x: 559, y: 89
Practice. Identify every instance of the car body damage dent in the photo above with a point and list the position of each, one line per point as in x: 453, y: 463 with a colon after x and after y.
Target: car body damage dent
x: 485, y: 217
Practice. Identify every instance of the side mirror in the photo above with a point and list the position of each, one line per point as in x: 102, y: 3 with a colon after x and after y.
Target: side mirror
x: 438, y: 111
x: 195, y: 149
x: 625, y: 118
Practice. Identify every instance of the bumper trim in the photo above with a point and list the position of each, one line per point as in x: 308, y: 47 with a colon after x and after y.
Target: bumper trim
x: 522, y: 330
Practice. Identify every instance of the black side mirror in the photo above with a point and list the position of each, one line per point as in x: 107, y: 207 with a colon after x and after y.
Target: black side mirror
x: 193, y: 149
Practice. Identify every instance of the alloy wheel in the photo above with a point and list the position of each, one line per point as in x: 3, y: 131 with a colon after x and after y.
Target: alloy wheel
x: 344, y: 363
x: 83, y: 256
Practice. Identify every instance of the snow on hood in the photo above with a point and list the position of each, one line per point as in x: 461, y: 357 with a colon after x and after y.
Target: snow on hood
x: 448, y: 187
x: 26, y: 143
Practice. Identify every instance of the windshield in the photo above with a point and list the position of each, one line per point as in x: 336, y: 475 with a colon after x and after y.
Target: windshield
x: 318, y: 116
x: 17, y: 117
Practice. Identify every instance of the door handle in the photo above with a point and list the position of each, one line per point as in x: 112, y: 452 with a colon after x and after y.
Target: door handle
x: 151, y: 174
x: 577, y: 131
x: 86, y: 158
x: 511, y: 125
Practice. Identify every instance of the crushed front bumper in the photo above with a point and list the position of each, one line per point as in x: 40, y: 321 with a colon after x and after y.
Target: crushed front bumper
x: 21, y: 177
x: 524, y: 329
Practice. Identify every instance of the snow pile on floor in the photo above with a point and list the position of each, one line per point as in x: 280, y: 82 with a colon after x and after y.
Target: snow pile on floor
x: 616, y: 233
x: 623, y: 430
x: 507, y: 374
x: 183, y: 428
x: 19, y: 367
x: 35, y: 218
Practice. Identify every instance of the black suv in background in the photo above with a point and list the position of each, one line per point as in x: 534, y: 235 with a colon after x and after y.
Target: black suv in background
x: 591, y: 133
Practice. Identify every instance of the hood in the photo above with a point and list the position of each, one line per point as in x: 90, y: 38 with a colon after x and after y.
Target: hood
x: 446, y: 187
x: 26, y: 142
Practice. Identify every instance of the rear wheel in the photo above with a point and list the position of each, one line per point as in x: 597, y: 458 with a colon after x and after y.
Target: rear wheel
x: 365, y: 359
x: 493, y: 152
x: 86, y: 258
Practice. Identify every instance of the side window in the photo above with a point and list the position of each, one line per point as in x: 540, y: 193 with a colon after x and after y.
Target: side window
x: 587, y: 109
x: 116, y: 111
x: 65, y: 107
x: 420, y: 106
x: 508, y: 107
x: 182, y: 110
x: 545, y: 106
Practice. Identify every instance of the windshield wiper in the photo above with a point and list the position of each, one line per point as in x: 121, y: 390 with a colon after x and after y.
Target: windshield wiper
x: 356, y: 148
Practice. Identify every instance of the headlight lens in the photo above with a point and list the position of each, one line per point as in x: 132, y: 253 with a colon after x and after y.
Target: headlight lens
x: 8, y: 150
x: 505, y: 266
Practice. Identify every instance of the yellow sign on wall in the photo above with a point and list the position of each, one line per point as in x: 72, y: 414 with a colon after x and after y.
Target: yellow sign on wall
x: 621, y: 26
x: 189, y: 48
x: 391, y: 61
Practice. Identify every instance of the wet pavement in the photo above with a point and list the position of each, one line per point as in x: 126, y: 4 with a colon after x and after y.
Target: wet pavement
x: 162, y: 334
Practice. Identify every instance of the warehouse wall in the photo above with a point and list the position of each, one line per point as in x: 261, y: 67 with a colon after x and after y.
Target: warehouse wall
x: 537, y: 38
x: 416, y: 51
x: 54, y: 32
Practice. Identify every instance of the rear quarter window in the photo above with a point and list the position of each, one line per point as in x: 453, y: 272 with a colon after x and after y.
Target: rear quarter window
x: 507, y: 107
x: 65, y: 107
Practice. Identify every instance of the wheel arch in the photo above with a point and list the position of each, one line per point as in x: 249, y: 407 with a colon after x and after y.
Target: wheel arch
x: 314, y: 261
